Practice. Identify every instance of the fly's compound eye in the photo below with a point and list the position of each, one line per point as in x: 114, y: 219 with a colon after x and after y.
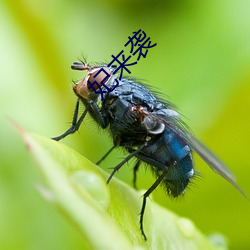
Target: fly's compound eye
x: 98, y: 77
x: 152, y: 125
x: 92, y: 82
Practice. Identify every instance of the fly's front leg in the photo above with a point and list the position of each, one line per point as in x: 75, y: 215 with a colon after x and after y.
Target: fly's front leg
x: 75, y: 123
x: 97, y: 114
x: 93, y: 109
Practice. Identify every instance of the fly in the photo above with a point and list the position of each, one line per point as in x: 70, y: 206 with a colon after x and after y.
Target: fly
x: 149, y: 128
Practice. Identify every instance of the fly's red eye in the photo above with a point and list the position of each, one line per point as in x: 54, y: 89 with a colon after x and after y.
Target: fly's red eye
x: 98, y: 77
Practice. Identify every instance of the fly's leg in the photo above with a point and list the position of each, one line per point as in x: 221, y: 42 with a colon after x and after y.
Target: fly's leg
x: 136, y: 167
x: 97, y: 114
x: 105, y: 155
x: 93, y: 109
x: 145, y: 196
x: 125, y: 160
x: 75, y: 124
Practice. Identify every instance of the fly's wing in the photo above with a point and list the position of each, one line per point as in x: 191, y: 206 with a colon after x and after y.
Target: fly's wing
x: 212, y: 160
x: 175, y: 124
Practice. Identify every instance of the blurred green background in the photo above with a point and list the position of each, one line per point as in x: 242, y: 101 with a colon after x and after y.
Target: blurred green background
x: 201, y: 62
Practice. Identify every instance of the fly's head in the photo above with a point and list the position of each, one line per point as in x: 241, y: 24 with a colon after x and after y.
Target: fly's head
x: 96, y: 76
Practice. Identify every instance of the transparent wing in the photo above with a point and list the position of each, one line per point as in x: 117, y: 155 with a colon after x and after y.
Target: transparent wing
x: 175, y: 124
x: 208, y: 156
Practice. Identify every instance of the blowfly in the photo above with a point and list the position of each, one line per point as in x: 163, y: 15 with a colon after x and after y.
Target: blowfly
x: 148, y: 127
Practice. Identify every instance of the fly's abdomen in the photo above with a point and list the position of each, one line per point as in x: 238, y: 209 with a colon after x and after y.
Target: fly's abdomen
x: 178, y: 176
x: 168, y: 154
x: 180, y: 166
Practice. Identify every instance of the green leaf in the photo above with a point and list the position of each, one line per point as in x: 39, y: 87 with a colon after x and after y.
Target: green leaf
x: 107, y: 215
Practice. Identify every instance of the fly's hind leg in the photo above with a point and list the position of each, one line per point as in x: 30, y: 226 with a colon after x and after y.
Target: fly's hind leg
x: 145, y: 196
